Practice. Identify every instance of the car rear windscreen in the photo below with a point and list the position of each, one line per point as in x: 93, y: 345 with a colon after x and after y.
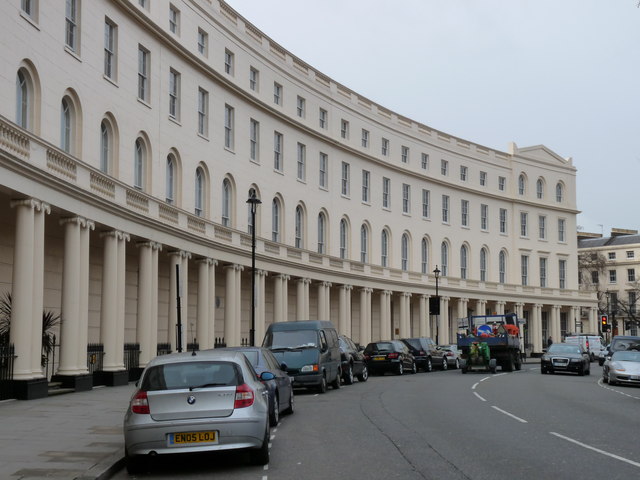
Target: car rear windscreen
x: 185, y: 375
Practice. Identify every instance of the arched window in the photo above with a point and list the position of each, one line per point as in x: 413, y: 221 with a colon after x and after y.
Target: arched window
x: 322, y: 234
x: 66, y: 124
x: 444, y: 259
x: 171, y: 179
x: 384, y: 247
x: 404, y: 252
x: 139, y: 161
x: 424, y: 256
x: 463, y: 262
x: 106, y: 146
x: 521, y: 185
x: 226, y: 202
x: 275, y: 220
x: 299, y: 227
x: 199, y: 192
x: 23, y: 100
x: 483, y: 264
x: 559, y: 192
x: 502, y: 266
x: 343, y: 238
x: 540, y: 189
x: 364, y: 244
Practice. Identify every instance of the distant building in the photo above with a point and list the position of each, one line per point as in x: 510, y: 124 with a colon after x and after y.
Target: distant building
x: 132, y: 134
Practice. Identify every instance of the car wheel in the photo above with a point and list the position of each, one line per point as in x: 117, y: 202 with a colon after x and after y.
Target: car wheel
x: 543, y: 370
x: 611, y: 380
x: 260, y: 456
x: 605, y: 378
x: 289, y: 409
x: 337, y: 383
x: 400, y: 368
x: 137, y: 464
x: 274, y: 415
x: 414, y: 369
x: 428, y: 367
x: 445, y: 365
x: 323, y: 384
x: 588, y: 372
x: 457, y: 364
x: 348, y: 375
x: 582, y: 371
x: 364, y: 376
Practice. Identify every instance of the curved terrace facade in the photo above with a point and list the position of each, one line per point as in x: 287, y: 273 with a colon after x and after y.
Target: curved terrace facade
x: 132, y: 134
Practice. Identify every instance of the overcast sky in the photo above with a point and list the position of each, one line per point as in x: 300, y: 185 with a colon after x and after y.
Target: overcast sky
x: 563, y: 73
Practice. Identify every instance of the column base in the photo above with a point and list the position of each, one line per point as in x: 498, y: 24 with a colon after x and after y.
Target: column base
x: 29, y: 389
x: 111, y: 379
x: 80, y: 383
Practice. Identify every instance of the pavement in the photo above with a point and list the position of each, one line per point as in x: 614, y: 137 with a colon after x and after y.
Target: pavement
x: 71, y: 436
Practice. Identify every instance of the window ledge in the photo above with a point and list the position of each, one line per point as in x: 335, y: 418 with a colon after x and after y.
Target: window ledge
x: 71, y: 52
x: 31, y: 20
x: 175, y: 120
x: 144, y: 102
x: 204, y: 137
x: 110, y: 80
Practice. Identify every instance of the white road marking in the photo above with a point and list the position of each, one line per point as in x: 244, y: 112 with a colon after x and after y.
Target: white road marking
x: 509, y: 414
x: 266, y: 467
x: 485, y: 378
x: 589, y: 447
x: 474, y: 386
x: 534, y: 368
x: 270, y: 444
x: 476, y: 394
x: 272, y: 437
x: 606, y: 387
x: 499, y: 374
x: 264, y: 477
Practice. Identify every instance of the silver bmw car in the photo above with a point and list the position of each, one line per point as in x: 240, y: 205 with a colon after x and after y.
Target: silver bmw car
x: 622, y: 367
x: 197, y: 402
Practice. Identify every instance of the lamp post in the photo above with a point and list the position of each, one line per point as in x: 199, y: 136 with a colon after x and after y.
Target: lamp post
x: 253, y: 202
x: 436, y: 273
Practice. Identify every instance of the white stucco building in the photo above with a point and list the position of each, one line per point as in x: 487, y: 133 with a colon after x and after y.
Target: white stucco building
x: 131, y: 135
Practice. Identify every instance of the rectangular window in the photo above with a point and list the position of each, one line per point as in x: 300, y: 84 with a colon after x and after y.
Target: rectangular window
x: 277, y: 93
x: 174, y: 94
x: 345, y: 179
x: 595, y: 277
x: 302, y: 162
x: 484, y: 217
x: 424, y: 163
x: 406, y: 198
x: 323, y: 118
x: 228, y: 126
x: 385, y: 147
x: 203, y: 112
x: 445, y: 208
x: 612, y: 255
x: 612, y: 276
x: 404, y: 154
x: 366, y: 180
x: 632, y: 303
x: 524, y: 262
x: 143, y: 73
x: 344, y: 129
x: 483, y: 179
x: 630, y: 254
x: 72, y: 24
x: 463, y: 173
x: 110, y: 44
x: 323, y: 170
x: 228, y: 62
x: 631, y: 274
x: 142, y: 3
x: 365, y: 138
x: 562, y: 273
x: 277, y: 151
x: 426, y: 200
x: 254, y: 76
x: 254, y: 139
x: 30, y: 8
x: 543, y: 272
x: 174, y: 20
x: 301, y: 106
x: 561, y: 230
x: 502, y: 182
x: 464, y: 213
x: 524, y: 228
x: 444, y: 167
x: 503, y: 220
x: 203, y: 42
x: 386, y: 192
x: 542, y: 227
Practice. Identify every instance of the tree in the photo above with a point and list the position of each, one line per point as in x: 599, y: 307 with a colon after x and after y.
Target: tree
x: 627, y: 310
x: 591, y: 267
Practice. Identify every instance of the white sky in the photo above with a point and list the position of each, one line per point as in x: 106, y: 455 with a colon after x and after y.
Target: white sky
x: 563, y: 73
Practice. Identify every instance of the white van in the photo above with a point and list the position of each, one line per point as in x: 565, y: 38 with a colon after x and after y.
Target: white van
x: 591, y: 343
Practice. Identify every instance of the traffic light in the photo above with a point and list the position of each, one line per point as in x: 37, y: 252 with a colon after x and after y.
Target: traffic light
x: 604, y: 320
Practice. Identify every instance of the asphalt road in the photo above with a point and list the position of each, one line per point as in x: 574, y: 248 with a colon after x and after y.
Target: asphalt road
x: 445, y: 425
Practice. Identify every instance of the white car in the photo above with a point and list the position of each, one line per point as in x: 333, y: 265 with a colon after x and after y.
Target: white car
x: 622, y: 367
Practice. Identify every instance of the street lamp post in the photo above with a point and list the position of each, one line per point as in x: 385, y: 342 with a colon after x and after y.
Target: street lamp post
x: 253, y: 202
x: 436, y: 273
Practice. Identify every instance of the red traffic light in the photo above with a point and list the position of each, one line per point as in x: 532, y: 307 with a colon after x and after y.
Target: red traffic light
x: 604, y: 319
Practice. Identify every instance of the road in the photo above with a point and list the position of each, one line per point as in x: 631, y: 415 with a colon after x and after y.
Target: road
x: 444, y: 425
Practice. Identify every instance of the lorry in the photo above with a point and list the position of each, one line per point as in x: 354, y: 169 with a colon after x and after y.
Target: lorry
x: 488, y: 341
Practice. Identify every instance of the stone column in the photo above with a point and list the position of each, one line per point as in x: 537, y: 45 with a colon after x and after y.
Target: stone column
x: 555, y: 323
x: 280, y: 302
x: 211, y: 319
x: 324, y: 305
x: 425, y: 327
x: 593, y: 320
x: 122, y: 288
x: 147, y: 328
x: 385, y: 315
x: 230, y: 314
x: 83, y: 333
x: 536, y: 328
x: 238, y: 297
x: 405, y: 324
x: 172, y: 317
x: 260, y: 306
x: 500, y: 307
x: 41, y: 210
x: 203, y: 313
x: 302, y: 299
x: 574, y: 318
x: 443, y: 321
x: 344, y: 318
x: 365, y: 315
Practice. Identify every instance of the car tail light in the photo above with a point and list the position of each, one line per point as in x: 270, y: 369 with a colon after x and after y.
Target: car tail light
x: 367, y: 357
x: 422, y: 352
x: 140, y: 403
x: 244, y: 396
x: 449, y: 354
x: 393, y: 355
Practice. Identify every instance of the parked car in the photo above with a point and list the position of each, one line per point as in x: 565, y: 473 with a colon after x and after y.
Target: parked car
x: 197, y: 402
x: 280, y: 388
x: 353, y: 362
x: 426, y: 353
x: 452, y: 353
x: 310, y: 350
x: 389, y: 356
x: 622, y: 342
x: 622, y: 367
x: 565, y: 357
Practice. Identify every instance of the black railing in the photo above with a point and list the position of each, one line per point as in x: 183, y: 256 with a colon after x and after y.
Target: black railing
x: 163, y: 349
x: 219, y: 342
x: 193, y: 346
x: 95, y: 357
x: 7, y: 357
x: 131, y: 355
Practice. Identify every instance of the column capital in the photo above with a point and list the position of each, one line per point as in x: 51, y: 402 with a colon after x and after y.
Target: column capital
x: 25, y: 202
x: 179, y: 253
x: 111, y: 233
x: 366, y: 290
x: 326, y: 284
x: 466, y: 300
x: 538, y: 305
x: 207, y: 261
x: 283, y: 276
x: 425, y: 296
x: 260, y: 273
x: 387, y: 292
x: 80, y: 221
x: 446, y: 299
x: 304, y: 281
x: 44, y: 207
x: 347, y: 287
x: 406, y: 294
x: 149, y: 243
x: 234, y: 266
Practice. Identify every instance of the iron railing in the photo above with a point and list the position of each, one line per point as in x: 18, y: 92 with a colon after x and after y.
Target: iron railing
x: 7, y: 357
x: 95, y: 357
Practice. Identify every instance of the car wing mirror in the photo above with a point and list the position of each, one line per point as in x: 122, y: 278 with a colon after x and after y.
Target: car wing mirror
x: 264, y: 376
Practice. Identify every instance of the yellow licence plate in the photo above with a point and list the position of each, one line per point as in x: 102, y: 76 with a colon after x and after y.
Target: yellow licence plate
x: 380, y: 358
x: 193, y: 437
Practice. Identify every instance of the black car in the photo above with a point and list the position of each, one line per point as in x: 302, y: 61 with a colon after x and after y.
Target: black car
x: 565, y: 357
x: 426, y: 353
x: 280, y: 388
x: 389, y: 356
x: 353, y: 362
